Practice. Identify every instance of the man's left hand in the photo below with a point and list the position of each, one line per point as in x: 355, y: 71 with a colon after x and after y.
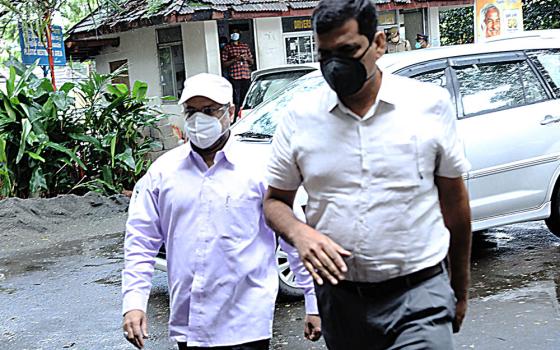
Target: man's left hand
x: 460, y: 311
x: 312, y: 327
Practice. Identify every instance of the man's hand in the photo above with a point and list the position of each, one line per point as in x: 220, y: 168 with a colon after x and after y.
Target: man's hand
x: 135, y: 326
x: 320, y: 255
x: 460, y: 311
x: 312, y: 327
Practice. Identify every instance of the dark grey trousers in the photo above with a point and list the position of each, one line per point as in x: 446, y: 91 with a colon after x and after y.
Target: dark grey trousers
x: 419, y: 317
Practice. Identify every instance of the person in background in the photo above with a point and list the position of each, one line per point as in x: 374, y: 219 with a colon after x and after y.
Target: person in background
x: 396, y: 43
x: 237, y: 59
x: 203, y: 200
x: 421, y: 41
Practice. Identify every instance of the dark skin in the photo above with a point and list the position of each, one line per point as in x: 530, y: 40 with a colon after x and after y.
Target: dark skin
x: 135, y: 322
x: 323, y: 257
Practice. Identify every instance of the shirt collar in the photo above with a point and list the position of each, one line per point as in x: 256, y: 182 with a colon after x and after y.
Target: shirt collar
x: 227, y: 152
x: 386, y: 94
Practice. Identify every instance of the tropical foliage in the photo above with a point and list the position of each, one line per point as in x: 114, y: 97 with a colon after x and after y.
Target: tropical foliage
x: 49, y: 147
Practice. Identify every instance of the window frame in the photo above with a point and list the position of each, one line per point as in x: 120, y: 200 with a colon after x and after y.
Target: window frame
x: 168, y: 46
x: 488, y: 59
x: 531, y: 59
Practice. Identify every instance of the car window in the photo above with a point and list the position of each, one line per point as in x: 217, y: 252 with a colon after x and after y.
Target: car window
x: 263, y: 119
x: 434, y: 77
x: 488, y: 87
x: 265, y: 86
x: 548, y: 63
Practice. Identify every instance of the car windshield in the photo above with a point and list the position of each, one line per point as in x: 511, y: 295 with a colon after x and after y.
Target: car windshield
x: 263, y: 120
x: 267, y: 85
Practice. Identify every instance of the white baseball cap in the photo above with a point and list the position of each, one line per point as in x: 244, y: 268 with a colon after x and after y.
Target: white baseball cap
x: 212, y: 86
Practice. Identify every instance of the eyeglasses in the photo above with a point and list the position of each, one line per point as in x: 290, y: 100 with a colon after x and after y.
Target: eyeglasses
x: 189, y: 111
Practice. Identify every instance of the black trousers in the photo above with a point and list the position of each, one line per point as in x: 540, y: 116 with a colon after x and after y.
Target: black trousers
x: 256, y: 345
x: 240, y: 88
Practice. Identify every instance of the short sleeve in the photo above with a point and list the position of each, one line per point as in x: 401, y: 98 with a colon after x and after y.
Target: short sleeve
x: 452, y: 162
x: 283, y: 172
x: 225, y: 53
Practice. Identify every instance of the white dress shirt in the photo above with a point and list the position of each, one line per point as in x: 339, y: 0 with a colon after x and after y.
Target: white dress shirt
x: 221, y: 265
x: 370, y: 180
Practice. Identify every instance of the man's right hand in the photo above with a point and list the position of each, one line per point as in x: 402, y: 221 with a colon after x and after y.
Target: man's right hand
x: 320, y: 255
x: 135, y: 327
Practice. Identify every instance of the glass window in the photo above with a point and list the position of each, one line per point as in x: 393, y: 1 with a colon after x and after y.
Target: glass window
x: 265, y: 117
x: 488, y: 87
x: 123, y: 77
x: 171, y: 61
x: 434, y: 77
x: 548, y: 63
x: 300, y: 49
x: 265, y: 86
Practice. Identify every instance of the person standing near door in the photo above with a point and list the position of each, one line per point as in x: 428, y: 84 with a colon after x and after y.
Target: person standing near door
x: 237, y: 59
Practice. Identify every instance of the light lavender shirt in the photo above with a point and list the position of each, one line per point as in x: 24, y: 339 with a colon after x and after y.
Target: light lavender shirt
x: 220, y: 253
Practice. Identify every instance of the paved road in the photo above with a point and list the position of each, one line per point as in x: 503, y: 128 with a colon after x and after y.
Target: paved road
x: 68, y: 296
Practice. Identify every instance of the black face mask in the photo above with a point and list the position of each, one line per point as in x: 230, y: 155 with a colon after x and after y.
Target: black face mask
x: 345, y: 75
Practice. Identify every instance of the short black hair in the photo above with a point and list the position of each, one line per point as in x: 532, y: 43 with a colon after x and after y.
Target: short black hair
x: 330, y: 14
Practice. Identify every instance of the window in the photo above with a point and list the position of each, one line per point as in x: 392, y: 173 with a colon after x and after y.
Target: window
x: 434, y: 77
x: 548, y: 63
x: 264, y: 87
x: 171, y: 61
x: 300, y: 49
x: 488, y: 87
x: 122, y: 78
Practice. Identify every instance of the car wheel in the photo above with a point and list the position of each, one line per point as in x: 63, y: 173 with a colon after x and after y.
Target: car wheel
x: 288, y: 289
x: 553, y: 222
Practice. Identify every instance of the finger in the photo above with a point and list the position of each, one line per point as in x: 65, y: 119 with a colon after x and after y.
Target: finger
x: 323, y: 270
x: 145, y: 327
x: 138, y: 335
x: 129, y: 335
x: 328, y: 262
x: 336, y: 254
x: 313, y: 272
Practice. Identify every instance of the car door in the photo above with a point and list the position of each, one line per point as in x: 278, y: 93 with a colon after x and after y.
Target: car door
x: 511, y: 140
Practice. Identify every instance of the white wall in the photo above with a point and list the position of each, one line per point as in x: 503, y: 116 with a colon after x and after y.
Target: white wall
x: 194, y: 47
x: 269, y: 44
x: 433, y: 26
x: 212, y: 47
x: 140, y: 49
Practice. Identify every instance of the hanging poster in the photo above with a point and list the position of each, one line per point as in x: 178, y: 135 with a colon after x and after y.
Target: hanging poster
x: 494, y: 18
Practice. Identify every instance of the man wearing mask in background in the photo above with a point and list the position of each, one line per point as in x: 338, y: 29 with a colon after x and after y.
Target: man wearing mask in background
x: 204, y: 202
x: 237, y: 59
x: 387, y: 203
x: 421, y: 41
x: 395, y: 43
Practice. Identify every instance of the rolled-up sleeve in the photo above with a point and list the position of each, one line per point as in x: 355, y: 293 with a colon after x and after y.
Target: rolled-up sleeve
x: 283, y: 172
x: 143, y: 240
x: 452, y: 162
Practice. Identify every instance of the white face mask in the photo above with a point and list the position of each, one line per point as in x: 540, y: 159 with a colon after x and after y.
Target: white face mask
x: 234, y: 36
x: 204, y: 130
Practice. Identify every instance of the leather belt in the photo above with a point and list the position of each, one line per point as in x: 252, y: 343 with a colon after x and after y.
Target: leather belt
x: 372, y: 289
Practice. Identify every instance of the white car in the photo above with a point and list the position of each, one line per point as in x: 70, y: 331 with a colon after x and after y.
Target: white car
x: 507, y: 98
x: 267, y: 82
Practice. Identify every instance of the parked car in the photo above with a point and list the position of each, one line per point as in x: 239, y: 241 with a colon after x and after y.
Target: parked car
x: 506, y: 95
x: 268, y: 81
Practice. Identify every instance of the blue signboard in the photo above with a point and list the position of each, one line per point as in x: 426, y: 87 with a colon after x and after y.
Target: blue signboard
x: 32, y: 48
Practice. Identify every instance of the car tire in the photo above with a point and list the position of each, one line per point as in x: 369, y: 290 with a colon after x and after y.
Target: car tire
x: 287, y: 289
x: 553, y: 222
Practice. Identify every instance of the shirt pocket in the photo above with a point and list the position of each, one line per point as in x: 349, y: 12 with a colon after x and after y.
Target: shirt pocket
x: 241, y: 221
x: 395, y: 166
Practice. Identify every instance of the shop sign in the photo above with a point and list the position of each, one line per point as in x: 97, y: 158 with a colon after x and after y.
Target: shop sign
x: 386, y: 18
x: 296, y: 24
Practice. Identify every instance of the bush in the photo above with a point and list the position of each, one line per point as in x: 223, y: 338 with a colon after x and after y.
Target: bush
x: 49, y: 147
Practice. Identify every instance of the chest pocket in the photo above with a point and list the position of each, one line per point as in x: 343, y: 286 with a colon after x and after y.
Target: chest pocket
x: 241, y: 222
x: 395, y: 166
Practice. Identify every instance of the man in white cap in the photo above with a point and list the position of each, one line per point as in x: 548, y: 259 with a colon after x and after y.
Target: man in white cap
x: 204, y: 202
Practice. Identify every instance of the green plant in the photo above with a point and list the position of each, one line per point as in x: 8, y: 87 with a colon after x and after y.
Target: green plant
x: 456, y: 26
x: 48, y: 146
x: 115, y: 118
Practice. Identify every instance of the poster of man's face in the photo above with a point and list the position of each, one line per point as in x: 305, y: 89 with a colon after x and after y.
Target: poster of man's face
x: 491, y: 21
